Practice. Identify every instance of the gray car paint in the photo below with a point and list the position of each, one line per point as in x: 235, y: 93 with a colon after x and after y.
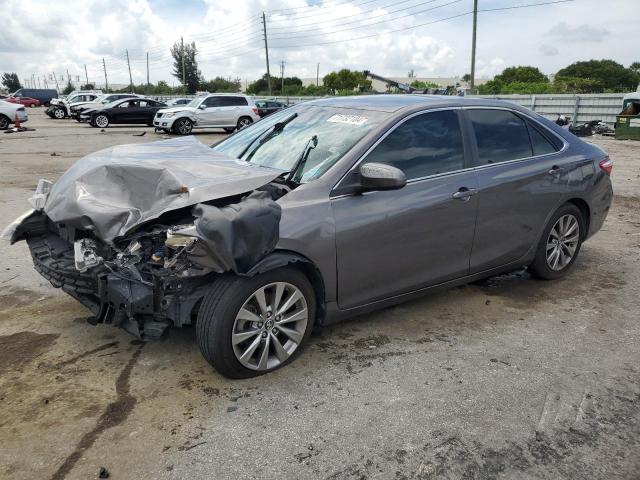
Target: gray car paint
x: 316, y: 226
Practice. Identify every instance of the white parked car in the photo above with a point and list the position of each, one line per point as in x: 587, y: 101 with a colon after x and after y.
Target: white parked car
x: 61, y: 107
x: 229, y: 111
x: 8, y: 112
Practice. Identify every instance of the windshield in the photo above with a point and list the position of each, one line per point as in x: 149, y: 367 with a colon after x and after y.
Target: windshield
x: 195, y: 102
x: 337, y: 131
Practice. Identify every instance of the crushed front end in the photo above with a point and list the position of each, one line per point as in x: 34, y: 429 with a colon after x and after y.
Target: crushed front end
x: 144, y: 285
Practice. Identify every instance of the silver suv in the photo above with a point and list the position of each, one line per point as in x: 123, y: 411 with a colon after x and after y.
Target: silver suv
x: 218, y: 110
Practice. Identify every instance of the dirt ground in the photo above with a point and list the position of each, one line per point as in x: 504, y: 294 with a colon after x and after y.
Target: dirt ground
x: 511, y: 378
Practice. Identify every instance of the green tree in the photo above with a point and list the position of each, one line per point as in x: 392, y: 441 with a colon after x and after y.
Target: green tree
x: 466, y: 77
x: 346, y: 80
x: 184, y: 60
x: 88, y: 86
x: 635, y: 67
x: 68, y: 88
x: 606, y: 75
x: 524, y: 74
x: 11, y: 81
x: 423, y: 85
x: 220, y: 84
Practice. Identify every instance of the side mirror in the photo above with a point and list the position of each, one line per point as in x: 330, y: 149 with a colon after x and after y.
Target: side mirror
x: 202, y: 106
x: 378, y: 176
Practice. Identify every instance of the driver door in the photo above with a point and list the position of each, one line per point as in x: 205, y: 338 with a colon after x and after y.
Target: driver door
x: 213, y: 112
x: 394, y: 242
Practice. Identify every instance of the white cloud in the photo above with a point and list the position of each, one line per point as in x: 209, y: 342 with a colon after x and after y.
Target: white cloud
x: 229, y: 37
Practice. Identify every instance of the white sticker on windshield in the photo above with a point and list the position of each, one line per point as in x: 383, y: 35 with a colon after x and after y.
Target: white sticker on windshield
x: 350, y: 119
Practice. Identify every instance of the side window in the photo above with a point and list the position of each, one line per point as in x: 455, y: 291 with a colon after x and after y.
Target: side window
x: 540, y: 143
x: 213, y: 102
x: 146, y: 103
x: 500, y: 135
x: 261, y: 104
x: 424, y: 145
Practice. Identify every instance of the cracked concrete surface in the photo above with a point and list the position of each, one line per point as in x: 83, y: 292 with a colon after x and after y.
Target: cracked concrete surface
x: 509, y: 378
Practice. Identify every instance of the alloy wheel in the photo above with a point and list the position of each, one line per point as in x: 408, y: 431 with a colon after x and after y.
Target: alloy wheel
x: 243, y: 122
x: 184, y: 127
x: 58, y: 113
x: 562, y: 242
x: 101, y: 121
x: 270, y: 326
x: 4, y: 123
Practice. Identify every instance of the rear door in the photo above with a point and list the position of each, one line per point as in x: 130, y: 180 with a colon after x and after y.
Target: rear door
x: 521, y: 179
x: 392, y: 242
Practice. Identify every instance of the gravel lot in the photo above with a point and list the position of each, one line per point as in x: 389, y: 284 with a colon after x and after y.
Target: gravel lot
x: 510, y: 378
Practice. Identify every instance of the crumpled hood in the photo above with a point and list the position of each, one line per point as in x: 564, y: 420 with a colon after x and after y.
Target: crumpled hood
x: 119, y: 188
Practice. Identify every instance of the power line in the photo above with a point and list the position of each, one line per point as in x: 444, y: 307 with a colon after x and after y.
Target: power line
x: 418, y: 25
x: 326, y: 10
x: 362, y: 13
x: 325, y: 32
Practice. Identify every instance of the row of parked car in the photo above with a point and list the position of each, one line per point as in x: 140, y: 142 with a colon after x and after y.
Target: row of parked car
x: 229, y: 111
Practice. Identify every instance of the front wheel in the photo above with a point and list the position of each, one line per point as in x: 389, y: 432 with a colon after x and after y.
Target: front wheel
x: 101, y: 121
x: 4, y: 122
x: 250, y: 326
x: 59, y: 113
x: 560, y: 243
x: 183, y: 126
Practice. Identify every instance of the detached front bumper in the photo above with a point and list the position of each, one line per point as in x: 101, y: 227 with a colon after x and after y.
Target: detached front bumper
x: 144, y: 309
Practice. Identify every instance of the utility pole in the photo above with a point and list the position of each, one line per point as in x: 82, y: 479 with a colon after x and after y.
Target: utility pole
x: 318, y: 75
x: 86, y: 75
x: 56, y: 79
x: 129, y: 66
x: 282, y: 77
x: 472, y: 83
x: 184, y: 75
x: 38, y: 81
x: 106, y: 83
x: 266, y: 50
x: 147, y: 69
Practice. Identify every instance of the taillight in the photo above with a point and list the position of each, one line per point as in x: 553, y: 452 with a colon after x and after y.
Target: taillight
x: 606, y: 165
x: 255, y: 109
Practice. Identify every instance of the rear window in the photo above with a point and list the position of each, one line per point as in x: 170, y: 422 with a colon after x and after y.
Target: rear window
x: 500, y: 135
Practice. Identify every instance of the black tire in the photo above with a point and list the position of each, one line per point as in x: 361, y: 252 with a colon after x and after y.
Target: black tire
x: 4, y: 122
x: 182, y: 126
x: 59, y: 113
x: 230, y: 129
x: 540, y: 267
x: 220, y: 306
x: 244, y: 122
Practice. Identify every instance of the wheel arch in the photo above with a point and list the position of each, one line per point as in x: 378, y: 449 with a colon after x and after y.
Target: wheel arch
x: 283, y: 258
x: 584, y: 208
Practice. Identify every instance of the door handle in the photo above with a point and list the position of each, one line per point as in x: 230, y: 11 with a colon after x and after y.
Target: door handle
x: 556, y: 170
x: 464, y: 193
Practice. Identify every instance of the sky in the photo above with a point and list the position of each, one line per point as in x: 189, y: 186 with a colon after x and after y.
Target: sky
x: 388, y: 37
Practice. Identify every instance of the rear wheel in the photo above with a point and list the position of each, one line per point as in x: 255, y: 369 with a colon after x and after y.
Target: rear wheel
x: 183, y: 126
x: 250, y: 326
x: 560, y: 243
x: 244, y: 122
x: 4, y: 122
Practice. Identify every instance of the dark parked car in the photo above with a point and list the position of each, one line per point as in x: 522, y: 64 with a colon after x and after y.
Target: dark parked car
x: 338, y: 207
x: 267, y: 107
x: 131, y: 110
x: 43, y: 95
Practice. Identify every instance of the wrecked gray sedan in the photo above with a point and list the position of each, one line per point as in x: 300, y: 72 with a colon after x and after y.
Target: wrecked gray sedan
x: 322, y: 211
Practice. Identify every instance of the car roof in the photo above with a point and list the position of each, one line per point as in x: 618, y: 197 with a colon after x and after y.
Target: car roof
x: 394, y: 102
